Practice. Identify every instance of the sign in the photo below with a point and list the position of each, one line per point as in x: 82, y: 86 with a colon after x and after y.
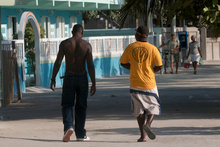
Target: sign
x: 183, y: 38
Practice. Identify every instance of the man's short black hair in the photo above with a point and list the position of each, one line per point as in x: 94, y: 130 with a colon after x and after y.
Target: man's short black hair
x: 172, y: 35
x: 77, y: 28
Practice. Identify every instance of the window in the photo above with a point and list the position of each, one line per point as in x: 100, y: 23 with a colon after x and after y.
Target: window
x: 60, y: 27
x: 73, y: 21
x: 45, y: 21
x: 12, y: 26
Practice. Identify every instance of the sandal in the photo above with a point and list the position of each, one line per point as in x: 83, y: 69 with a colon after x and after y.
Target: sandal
x: 141, y: 140
x: 149, y: 132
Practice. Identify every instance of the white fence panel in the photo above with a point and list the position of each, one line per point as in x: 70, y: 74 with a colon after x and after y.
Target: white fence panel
x: 101, y: 46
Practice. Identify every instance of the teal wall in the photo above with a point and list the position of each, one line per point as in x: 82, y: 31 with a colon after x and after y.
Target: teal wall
x: 104, y: 67
x: 115, y: 32
x: 22, y: 82
x: 109, y: 66
x: 5, y: 12
x: 45, y: 69
x: 46, y: 74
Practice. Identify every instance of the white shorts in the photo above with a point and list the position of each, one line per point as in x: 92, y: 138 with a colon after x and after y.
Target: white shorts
x: 144, y: 101
x: 195, y: 57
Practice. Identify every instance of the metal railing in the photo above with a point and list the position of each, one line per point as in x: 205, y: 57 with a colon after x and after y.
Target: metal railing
x: 101, y: 46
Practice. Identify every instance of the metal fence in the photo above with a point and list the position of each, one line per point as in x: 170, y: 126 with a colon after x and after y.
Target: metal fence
x: 101, y: 46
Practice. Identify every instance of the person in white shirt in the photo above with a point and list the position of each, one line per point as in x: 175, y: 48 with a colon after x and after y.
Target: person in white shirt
x: 194, y: 52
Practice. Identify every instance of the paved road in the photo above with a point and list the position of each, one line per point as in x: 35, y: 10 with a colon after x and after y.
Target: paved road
x: 190, y: 114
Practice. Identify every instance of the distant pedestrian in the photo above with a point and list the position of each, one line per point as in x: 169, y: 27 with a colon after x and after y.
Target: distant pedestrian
x: 173, y: 45
x: 77, y: 53
x: 143, y: 60
x: 194, y: 52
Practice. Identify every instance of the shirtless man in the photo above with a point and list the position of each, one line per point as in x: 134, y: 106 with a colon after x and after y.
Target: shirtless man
x: 77, y: 52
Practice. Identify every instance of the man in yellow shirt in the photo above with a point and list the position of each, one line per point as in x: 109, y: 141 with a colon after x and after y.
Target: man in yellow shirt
x: 143, y: 60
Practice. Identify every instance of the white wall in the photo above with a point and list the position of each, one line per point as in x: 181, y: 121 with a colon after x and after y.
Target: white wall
x: 213, y: 48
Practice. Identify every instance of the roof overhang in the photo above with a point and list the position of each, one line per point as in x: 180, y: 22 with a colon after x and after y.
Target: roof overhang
x: 12, y: 2
x: 80, y: 5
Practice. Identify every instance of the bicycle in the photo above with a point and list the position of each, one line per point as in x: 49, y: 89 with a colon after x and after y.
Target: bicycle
x: 166, y: 60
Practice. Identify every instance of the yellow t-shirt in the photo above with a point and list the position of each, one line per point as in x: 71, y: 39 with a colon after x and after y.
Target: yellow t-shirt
x: 142, y: 57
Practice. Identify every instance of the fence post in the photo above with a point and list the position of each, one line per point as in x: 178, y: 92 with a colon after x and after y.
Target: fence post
x: 18, y: 81
x: 203, y: 43
x: 17, y: 72
x: 8, y: 75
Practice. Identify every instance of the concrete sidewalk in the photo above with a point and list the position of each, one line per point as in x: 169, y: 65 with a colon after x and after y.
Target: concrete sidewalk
x: 190, y: 114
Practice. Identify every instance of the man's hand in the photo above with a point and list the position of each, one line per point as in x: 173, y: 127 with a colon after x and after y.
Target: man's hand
x: 52, y: 84
x: 92, y: 90
x: 172, y: 50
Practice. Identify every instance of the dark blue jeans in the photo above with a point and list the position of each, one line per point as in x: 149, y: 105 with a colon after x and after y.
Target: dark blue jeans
x: 75, y: 93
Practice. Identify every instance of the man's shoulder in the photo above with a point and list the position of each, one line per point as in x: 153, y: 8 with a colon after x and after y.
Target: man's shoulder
x: 65, y: 42
x: 84, y: 42
x: 151, y: 45
x: 131, y: 45
x: 134, y: 43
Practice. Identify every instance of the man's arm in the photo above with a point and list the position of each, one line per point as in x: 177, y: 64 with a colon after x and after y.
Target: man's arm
x: 176, y: 48
x: 161, y: 46
x: 56, y: 66
x: 127, y: 66
x: 91, y: 70
x: 157, y: 68
x: 157, y: 61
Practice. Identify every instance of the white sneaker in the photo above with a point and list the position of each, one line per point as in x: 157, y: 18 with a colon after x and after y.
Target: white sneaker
x: 67, y: 135
x: 86, y: 138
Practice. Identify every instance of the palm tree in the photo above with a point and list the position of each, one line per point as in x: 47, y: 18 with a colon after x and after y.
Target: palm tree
x: 141, y: 9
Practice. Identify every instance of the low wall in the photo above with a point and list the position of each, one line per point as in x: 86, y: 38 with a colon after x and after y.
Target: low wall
x: 104, y: 67
x: 106, y: 54
x: 213, y: 48
x: 46, y: 74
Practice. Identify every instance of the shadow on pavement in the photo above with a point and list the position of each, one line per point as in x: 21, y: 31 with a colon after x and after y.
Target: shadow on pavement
x: 41, y: 140
x: 167, y: 131
x: 183, y: 96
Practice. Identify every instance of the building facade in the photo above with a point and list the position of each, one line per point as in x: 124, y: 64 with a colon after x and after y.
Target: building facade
x: 57, y: 18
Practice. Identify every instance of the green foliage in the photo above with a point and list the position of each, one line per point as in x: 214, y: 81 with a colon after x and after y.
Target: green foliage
x: 29, y: 41
x: 87, y: 15
x: 15, y: 36
x: 211, y: 17
x: 202, y: 13
x: 191, y: 10
x: 135, y: 8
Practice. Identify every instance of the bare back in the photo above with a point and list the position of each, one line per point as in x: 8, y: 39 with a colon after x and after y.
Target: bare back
x: 75, y: 52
